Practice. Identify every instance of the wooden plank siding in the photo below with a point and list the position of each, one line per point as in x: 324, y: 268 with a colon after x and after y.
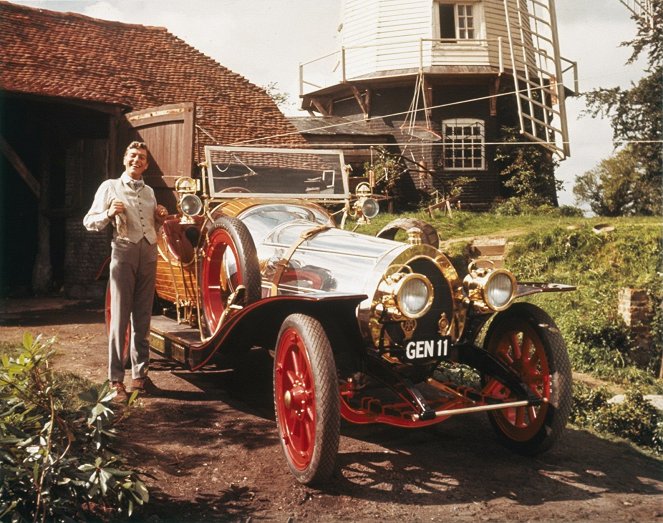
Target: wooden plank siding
x: 358, y: 36
x: 380, y: 36
x: 168, y: 133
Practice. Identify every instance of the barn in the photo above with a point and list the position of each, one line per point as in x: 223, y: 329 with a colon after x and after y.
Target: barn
x: 73, y: 91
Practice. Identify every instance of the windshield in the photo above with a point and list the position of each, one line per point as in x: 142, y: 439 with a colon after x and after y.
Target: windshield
x: 240, y: 172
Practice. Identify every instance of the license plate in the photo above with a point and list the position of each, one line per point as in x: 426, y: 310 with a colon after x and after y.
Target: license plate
x: 427, y: 349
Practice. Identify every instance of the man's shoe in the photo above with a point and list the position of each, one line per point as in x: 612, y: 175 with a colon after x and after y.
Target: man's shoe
x: 144, y: 386
x: 121, y: 395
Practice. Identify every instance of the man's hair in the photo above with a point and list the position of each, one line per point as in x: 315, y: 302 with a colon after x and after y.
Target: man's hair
x: 136, y: 145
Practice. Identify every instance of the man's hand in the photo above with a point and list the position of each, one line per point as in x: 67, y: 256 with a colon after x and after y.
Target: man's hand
x: 116, y: 207
x: 160, y: 213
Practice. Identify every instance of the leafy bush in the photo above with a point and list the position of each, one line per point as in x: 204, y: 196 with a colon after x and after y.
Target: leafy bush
x: 56, y: 463
x: 634, y: 419
x: 517, y: 206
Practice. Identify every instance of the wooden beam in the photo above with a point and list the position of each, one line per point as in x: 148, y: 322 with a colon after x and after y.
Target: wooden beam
x: 361, y: 101
x: 494, y: 89
x: 324, y: 111
x: 20, y: 167
x: 428, y: 96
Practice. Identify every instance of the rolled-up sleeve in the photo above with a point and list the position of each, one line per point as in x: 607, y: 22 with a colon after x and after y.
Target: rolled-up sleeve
x: 97, y: 218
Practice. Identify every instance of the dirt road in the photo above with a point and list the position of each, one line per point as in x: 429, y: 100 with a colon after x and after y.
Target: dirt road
x: 209, y: 446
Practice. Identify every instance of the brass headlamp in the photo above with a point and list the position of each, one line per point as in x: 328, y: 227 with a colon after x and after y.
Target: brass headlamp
x: 406, y: 295
x: 188, y: 202
x: 490, y: 288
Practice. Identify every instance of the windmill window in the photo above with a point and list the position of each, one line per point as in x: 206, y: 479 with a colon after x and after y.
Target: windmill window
x: 464, y: 144
x: 459, y: 21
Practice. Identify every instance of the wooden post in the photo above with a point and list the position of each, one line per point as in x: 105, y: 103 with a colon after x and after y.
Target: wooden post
x: 42, y: 270
x: 20, y: 167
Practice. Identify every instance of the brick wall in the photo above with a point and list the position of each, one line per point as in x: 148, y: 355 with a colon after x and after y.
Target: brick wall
x: 85, y: 251
x: 636, y: 310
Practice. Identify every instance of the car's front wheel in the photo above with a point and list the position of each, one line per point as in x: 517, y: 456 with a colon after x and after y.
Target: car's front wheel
x: 306, y: 399
x: 527, y: 340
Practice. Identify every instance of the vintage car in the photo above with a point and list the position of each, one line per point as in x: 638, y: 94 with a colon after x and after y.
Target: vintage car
x: 361, y: 328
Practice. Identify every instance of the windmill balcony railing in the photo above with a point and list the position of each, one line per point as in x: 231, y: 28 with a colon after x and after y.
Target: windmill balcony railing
x: 408, y: 56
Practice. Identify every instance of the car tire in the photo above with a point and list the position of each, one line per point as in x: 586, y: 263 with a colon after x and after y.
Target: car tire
x: 229, y: 260
x: 428, y: 233
x: 527, y: 340
x: 306, y: 399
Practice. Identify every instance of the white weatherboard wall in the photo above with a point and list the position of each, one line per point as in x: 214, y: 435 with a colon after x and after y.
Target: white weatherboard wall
x: 392, y: 35
x: 384, y: 35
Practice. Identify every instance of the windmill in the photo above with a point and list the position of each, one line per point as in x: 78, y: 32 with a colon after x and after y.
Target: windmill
x: 439, y: 79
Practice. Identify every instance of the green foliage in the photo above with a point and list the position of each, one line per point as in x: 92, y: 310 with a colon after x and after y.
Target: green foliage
x: 391, y: 175
x: 619, y: 186
x: 281, y: 98
x: 56, y: 462
x: 634, y: 419
x: 636, y: 116
x: 599, y: 265
x: 528, y: 172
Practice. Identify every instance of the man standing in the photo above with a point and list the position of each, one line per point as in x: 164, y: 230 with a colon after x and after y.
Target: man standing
x: 131, y: 207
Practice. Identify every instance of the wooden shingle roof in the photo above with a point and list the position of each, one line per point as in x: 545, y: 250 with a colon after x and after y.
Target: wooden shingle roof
x: 75, y: 57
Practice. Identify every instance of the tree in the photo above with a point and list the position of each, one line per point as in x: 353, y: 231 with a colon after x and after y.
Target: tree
x: 528, y: 171
x: 613, y: 188
x: 636, y: 116
x: 281, y: 98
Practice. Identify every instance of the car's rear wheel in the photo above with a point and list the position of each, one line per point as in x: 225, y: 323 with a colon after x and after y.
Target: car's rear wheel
x: 306, y: 399
x: 126, y: 347
x: 527, y: 340
x: 229, y: 261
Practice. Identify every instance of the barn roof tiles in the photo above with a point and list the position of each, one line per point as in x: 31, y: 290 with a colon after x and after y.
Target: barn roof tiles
x: 72, y: 56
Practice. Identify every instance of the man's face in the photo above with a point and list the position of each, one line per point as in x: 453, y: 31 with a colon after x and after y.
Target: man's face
x: 135, y: 162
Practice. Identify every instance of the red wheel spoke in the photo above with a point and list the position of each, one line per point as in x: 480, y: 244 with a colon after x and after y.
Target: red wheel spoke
x: 291, y: 377
x: 309, y: 431
x: 295, y: 364
x: 515, y: 346
x: 310, y: 414
x: 527, y: 352
x: 533, y: 414
x: 520, y: 417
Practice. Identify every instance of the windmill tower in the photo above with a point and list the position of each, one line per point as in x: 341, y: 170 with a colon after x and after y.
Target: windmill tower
x: 440, y: 78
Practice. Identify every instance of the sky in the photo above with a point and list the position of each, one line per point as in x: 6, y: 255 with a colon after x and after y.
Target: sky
x: 266, y: 40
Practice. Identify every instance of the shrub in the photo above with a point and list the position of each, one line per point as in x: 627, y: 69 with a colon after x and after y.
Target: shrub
x: 634, y: 419
x: 56, y: 462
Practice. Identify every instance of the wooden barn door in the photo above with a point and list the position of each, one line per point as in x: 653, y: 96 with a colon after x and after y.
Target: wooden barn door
x: 168, y: 131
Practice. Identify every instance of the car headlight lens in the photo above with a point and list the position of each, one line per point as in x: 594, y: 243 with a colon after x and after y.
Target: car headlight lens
x: 414, y: 295
x: 370, y: 208
x: 499, y: 290
x: 191, y: 205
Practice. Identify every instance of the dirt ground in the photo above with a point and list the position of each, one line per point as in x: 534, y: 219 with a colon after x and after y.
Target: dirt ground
x: 209, y: 449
